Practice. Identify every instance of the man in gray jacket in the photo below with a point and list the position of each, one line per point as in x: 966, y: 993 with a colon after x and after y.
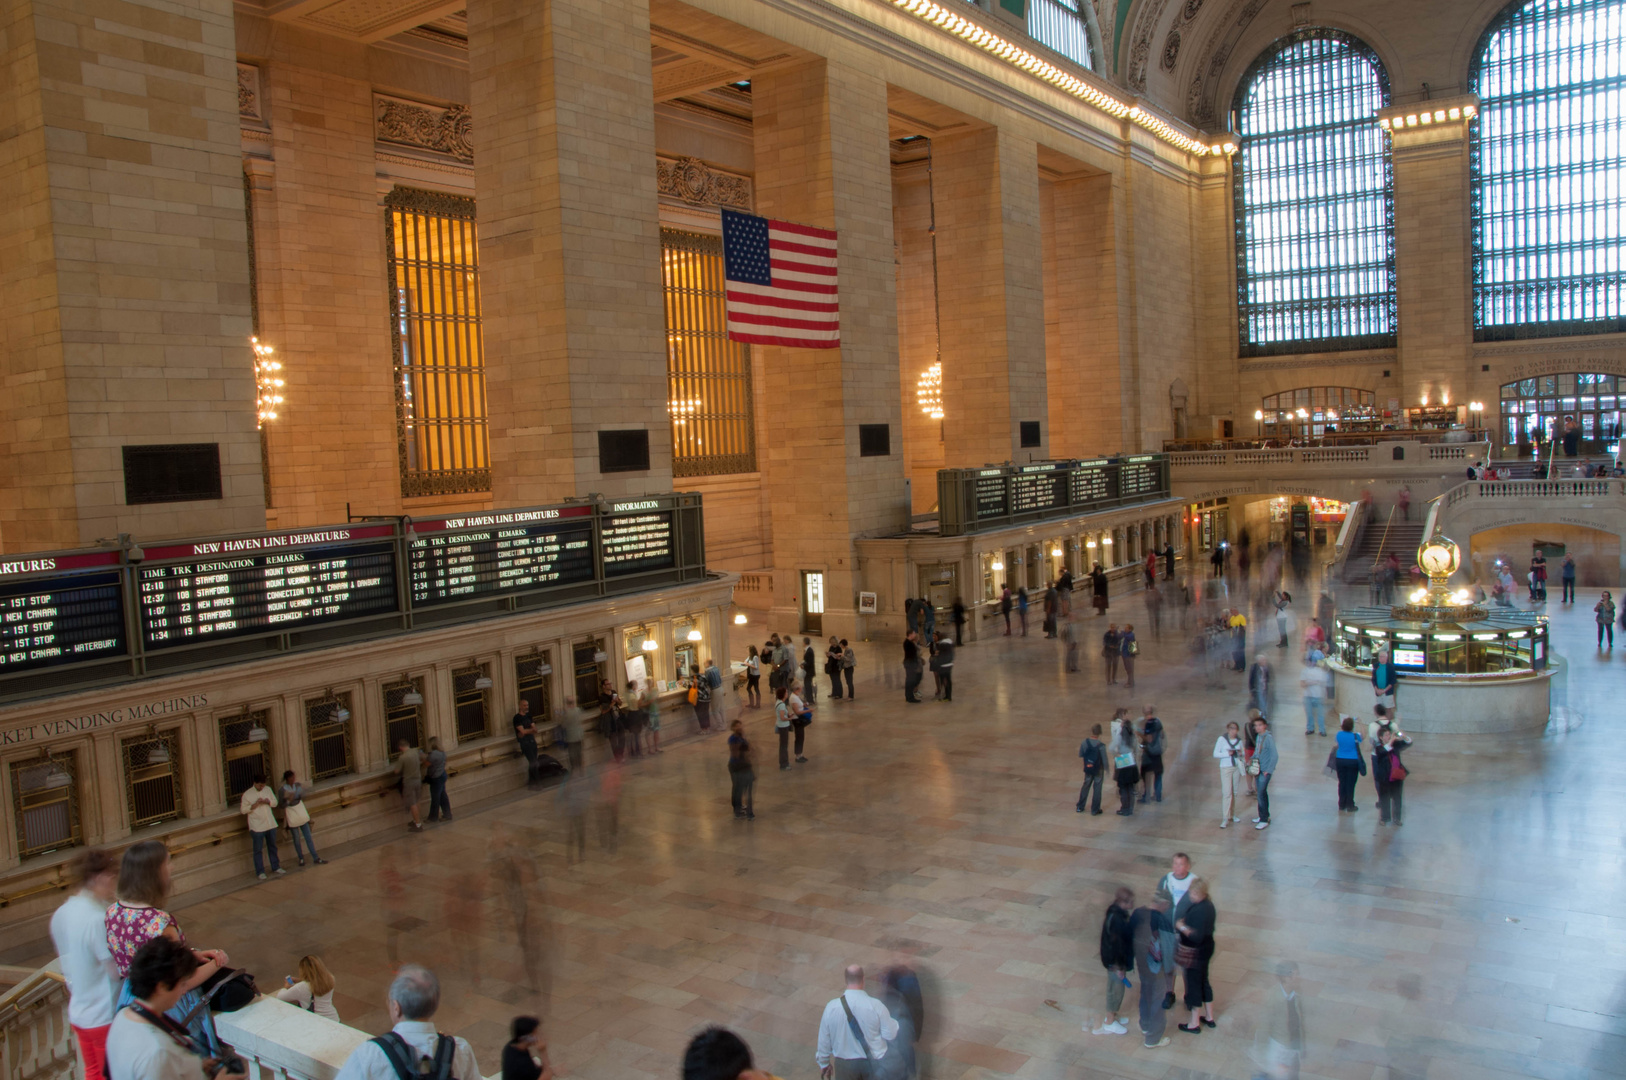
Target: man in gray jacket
x: 1146, y: 928
x: 1264, y: 755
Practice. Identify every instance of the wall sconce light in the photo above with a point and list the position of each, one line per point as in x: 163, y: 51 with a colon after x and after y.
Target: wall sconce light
x: 997, y: 565
x: 694, y: 635
x: 1055, y: 552
x: 740, y: 619
x: 649, y: 644
x: 412, y: 696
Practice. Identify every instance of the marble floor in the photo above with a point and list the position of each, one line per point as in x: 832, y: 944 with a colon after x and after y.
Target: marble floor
x: 1487, y: 938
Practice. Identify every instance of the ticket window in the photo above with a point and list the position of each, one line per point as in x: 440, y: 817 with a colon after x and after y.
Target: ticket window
x: 533, y: 679
x: 686, y: 643
x: 245, y: 751
x: 990, y: 587
x: 590, y: 662
x: 939, y: 584
x: 152, y: 778
x: 639, y: 649
x: 328, y: 734
x: 45, y: 802
x: 471, y: 700
x: 403, y: 714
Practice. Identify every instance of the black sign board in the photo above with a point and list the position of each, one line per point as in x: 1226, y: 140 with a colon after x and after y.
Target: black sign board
x: 60, y: 609
x: 637, y: 537
x: 989, y: 488
x: 1037, y: 488
x: 1092, y: 482
x: 1139, y: 476
x: 493, y: 554
x: 275, y: 583
x: 972, y: 500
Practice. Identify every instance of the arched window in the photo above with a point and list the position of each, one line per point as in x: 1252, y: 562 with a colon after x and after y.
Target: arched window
x: 1549, y: 204
x: 1314, y: 199
x: 1060, y: 25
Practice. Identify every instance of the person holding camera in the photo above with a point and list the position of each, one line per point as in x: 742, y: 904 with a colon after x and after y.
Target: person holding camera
x: 143, y: 1043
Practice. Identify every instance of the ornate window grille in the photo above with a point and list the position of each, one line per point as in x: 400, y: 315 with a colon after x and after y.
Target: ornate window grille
x: 328, y: 731
x: 590, y: 671
x: 241, y: 757
x: 152, y: 778
x: 440, y: 384
x: 45, y: 802
x: 1060, y: 25
x: 713, y: 430
x: 401, y: 720
x: 471, y: 703
x: 1547, y: 153
x: 1314, y: 199
x: 533, y: 684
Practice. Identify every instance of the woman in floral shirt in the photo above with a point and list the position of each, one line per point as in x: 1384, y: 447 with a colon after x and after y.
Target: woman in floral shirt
x: 138, y: 916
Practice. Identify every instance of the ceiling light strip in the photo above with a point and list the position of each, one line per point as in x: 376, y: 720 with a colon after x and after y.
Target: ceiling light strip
x: 978, y: 35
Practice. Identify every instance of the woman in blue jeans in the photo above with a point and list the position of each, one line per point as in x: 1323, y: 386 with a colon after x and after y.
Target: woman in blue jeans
x: 1347, y: 761
x: 297, y: 818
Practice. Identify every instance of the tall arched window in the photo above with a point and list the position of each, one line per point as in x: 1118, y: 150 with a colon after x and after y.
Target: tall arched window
x: 1060, y: 25
x: 1549, y: 202
x: 1314, y: 199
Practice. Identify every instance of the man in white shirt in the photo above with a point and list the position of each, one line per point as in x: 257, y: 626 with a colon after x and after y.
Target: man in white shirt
x: 1175, y: 884
x: 1315, y: 682
x: 144, y: 1044
x: 258, y: 802
x: 79, y: 931
x: 1230, y: 751
x: 414, y: 997
x: 841, y: 1055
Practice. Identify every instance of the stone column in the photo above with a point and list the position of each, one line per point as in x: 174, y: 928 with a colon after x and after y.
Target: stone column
x: 564, y: 126
x: 1085, y: 303
x: 1433, y: 267
x: 822, y: 159
x: 124, y: 263
x: 992, y: 296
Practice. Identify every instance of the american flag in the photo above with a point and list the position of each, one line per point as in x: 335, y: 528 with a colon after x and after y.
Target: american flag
x: 781, y: 280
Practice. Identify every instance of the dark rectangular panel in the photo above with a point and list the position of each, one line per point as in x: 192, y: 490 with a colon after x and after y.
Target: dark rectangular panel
x: 179, y: 473
x: 623, y: 451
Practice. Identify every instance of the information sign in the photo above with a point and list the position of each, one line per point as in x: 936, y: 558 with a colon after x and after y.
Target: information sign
x: 68, y: 608
x: 494, y: 554
x: 637, y: 537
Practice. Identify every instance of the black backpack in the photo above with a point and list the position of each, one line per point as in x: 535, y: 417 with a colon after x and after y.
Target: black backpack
x: 409, y: 1065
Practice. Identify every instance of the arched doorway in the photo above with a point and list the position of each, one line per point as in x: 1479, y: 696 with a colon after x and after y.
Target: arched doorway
x: 1534, y: 410
x: 1311, y: 412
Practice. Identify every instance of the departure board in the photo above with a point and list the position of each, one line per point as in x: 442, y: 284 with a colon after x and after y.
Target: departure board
x: 1140, y: 476
x: 1092, y: 483
x: 493, y: 554
x: 1037, y: 488
x: 276, y: 583
x: 635, y: 541
x: 71, y: 609
x: 989, y: 490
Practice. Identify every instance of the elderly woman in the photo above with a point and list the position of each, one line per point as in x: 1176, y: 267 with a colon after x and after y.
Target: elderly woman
x: 1193, y: 952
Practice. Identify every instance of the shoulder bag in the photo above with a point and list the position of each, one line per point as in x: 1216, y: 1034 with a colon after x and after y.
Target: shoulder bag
x: 1397, y: 771
x: 858, y: 1033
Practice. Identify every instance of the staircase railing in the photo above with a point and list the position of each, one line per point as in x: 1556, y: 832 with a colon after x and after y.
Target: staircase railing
x: 1383, y: 544
x: 35, y: 1040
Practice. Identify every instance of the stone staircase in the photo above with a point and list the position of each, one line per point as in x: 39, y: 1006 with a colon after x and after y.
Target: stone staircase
x: 1403, y: 539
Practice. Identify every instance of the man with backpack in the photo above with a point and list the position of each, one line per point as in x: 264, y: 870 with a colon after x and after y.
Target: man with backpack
x: 412, y: 1049
x: 1094, y: 753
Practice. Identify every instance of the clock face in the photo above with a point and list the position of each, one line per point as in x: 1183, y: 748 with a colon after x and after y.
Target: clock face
x: 1437, y: 559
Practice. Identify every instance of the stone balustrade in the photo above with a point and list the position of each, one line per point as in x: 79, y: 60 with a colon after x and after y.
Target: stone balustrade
x: 1335, y: 472
x: 280, y: 1041
x: 35, y: 1040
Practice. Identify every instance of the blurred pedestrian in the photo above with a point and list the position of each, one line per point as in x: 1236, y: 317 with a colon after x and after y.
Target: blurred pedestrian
x: 801, y: 715
x: 1098, y: 589
x: 1069, y: 637
x: 297, y: 818
x: 313, y: 991
x: 649, y: 703
x: 832, y: 667
x: 901, y: 994
x: 1315, y: 684
x: 440, y: 807
x: 849, y: 659
x: 79, y: 932
x: 1111, y: 652
x: 1229, y: 751
x: 1238, y: 623
x: 1152, y: 962
x: 782, y: 725
x: 1154, y: 610
x: 945, y: 666
x: 257, y: 804
x: 575, y: 732
x: 810, y: 662
x: 1250, y: 736
x: 1125, y: 773
x: 525, y: 1056
x: 1279, y: 1041
x: 1566, y: 580
x: 1005, y: 601
x: 1117, y: 956
x: 1259, y: 680
x: 1194, y: 953
x: 912, y: 669
x: 1022, y: 608
x: 1282, y: 600
x: 740, y: 777
x: 1128, y: 648
x: 409, y: 780
x: 1152, y: 743
x: 701, y: 699
x: 1605, y: 609
x: 959, y: 621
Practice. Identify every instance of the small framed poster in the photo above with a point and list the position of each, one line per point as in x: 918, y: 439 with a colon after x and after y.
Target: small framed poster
x: 866, y: 603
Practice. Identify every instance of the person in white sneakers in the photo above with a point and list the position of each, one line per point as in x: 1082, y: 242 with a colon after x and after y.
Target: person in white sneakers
x: 1263, y: 767
x: 258, y: 802
x: 1117, y: 956
x: 1230, y: 751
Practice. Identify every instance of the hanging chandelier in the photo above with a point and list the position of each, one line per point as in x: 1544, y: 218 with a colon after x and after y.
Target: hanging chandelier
x: 929, y: 391
x: 267, y: 383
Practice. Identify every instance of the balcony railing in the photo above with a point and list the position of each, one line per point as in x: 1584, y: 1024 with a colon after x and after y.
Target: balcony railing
x: 1533, y: 489
x: 1386, y: 454
x: 35, y: 1040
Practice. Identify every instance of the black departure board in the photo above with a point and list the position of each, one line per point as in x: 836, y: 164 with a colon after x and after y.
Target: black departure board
x: 69, y: 608
x: 989, y: 491
x: 1092, y: 483
x: 275, y: 583
x: 1037, y: 488
x: 492, y: 554
x: 1140, y: 476
x: 637, y: 537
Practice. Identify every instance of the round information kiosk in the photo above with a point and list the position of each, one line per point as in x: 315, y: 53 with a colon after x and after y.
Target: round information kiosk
x: 1464, y: 669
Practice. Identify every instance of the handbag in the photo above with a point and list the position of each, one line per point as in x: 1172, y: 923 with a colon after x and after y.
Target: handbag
x: 1134, y: 648
x: 296, y: 815
x: 1125, y: 760
x: 1397, y: 771
x: 1253, y: 767
x: 1185, y: 955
